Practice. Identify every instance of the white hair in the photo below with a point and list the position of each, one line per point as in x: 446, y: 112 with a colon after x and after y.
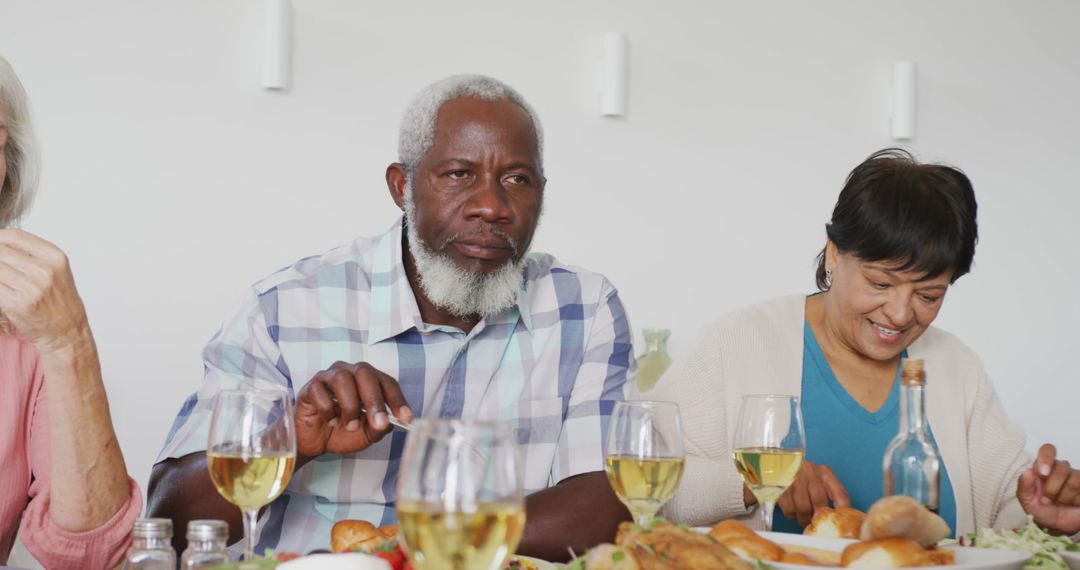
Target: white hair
x: 454, y: 289
x: 417, y: 132
x: 20, y: 152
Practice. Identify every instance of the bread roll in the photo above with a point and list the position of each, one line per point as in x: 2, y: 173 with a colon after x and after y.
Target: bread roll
x: 754, y: 547
x: 388, y: 531
x: 885, y: 553
x: 836, y: 523
x: 800, y: 559
x: 942, y: 557
x: 347, y: 535
x: 729, y: 528
x: 901, y: 516
x: 821, y: 556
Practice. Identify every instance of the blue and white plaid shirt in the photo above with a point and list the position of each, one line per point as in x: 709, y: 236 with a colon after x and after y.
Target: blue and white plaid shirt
x: 552, y: 365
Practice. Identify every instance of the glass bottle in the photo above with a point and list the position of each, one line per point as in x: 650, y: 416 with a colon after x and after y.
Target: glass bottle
x: 912, y: 463
x: 206, y: 544
x: 150, y: 546
x: 655, y: 361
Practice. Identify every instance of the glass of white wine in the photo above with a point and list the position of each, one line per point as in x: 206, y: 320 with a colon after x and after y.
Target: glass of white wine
x: 252, y: 451
x: 644, y: 457
x: 460, y: 497
x: 768, y: 448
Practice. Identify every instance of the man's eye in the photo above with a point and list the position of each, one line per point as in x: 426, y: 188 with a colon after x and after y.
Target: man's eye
x: 879, y: 285
x: 929, y: 298
x: 517, y: 179
x: 457, y: 174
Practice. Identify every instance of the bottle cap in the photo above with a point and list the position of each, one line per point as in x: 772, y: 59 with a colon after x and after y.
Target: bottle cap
x: 913, y: 364
x: 912, y: 372
x: 152, y: 528
x: 207, y: 529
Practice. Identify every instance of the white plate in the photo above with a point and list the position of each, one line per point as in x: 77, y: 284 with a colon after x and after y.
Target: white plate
x: 1072, y: 559
x: 966, y: 558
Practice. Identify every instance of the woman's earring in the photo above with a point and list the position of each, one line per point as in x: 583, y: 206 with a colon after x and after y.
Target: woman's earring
x: 828, y: 279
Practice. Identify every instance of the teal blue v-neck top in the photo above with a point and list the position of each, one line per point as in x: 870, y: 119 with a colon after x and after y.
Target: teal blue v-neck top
x: 849, y: 439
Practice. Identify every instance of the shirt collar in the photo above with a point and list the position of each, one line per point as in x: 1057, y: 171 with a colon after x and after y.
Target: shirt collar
x: 393, y: 307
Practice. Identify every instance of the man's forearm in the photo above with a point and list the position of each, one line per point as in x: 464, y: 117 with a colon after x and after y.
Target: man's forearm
x: 578, y: 513
x: 181, y: 490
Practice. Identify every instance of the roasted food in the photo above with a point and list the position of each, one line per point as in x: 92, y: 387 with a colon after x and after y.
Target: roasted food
x: 724, y: 530
x: 663, y: 545
x: 901, y: 516
x: 742, y: 540
x: 355, y: 535
x: 836, y: 523
x: 804, y: 560
x: 897, y: 552
x: 818, y: 556
x: 610, y: 557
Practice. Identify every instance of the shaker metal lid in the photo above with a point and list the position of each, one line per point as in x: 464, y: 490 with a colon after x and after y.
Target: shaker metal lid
x: 153, y: 528
x: 207, y: 529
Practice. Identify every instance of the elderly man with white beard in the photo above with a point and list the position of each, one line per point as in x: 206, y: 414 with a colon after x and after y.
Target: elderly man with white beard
x: 445, y: 315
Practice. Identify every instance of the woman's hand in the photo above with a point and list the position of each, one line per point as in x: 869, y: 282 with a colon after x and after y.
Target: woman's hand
x: 1050, y: 492
x: 37, y: 292
x: 814, y: 488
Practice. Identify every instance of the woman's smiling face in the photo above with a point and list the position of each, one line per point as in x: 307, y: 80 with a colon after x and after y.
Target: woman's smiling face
x: 876, y: 310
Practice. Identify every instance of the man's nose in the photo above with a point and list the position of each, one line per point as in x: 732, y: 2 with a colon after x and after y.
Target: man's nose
x: 489, y: 201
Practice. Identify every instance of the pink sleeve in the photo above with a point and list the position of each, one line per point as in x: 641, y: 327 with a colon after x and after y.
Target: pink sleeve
x: 52, y: 546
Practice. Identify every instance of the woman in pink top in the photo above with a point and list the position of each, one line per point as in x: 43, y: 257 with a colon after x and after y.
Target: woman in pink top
x: 61, y: 471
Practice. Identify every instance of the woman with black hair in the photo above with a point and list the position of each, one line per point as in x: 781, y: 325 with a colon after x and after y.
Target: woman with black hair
x: 901, y: 233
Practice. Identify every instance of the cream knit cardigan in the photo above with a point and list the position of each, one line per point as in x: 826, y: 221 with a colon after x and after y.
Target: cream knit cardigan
x: 759, y: 351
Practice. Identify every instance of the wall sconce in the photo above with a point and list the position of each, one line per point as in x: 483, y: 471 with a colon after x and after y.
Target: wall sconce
x: 902, y: 125
x: 277, y: 46
x: 614, y: 70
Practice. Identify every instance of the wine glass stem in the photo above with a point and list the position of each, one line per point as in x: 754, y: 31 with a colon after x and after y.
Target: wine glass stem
x: 251, y: 519
x: 766, y: 515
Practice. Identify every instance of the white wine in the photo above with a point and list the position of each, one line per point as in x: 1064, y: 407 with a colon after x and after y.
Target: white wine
x: 768, y: 471
x: 481, y: 540
x: 644, y: 485
x: 250, y: 482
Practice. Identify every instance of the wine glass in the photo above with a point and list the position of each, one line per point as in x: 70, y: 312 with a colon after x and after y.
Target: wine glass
x: 768, y: 448
x: 460, y: 499
x: 252, y: 451
x: 644, y: 457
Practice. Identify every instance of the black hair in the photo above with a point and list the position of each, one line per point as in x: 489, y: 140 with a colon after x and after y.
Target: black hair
x: 920, y: 216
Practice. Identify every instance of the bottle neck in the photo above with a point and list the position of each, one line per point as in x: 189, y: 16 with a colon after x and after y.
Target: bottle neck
x: 912, y: 408
x: 150, y: 543
x: 656, y: 345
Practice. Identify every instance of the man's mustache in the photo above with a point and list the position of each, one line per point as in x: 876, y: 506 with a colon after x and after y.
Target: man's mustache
x: 480, y: 230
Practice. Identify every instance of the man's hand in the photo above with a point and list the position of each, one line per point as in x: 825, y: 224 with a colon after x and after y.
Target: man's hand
x: 37, y: 292
x: 814, y: 487
x: 328, y: 409
x: 1050, y: 492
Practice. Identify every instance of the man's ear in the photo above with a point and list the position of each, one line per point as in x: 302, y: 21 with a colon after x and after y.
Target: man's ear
x: 395, y: 182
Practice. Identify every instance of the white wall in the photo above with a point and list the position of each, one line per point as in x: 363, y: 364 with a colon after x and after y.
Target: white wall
x: 174, y: 181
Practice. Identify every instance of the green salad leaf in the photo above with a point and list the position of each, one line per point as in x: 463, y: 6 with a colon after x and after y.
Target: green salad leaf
x: 1045, y: 548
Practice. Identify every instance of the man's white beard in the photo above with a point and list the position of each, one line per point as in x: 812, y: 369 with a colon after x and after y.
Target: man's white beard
x: 451, y: 288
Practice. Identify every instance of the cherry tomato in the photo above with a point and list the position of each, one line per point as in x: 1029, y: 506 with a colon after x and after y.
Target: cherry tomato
x: 396, y: 559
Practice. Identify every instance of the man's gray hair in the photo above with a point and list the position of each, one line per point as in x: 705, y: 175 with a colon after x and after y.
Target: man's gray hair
x: 19, y: 186
x: 417, y: 132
